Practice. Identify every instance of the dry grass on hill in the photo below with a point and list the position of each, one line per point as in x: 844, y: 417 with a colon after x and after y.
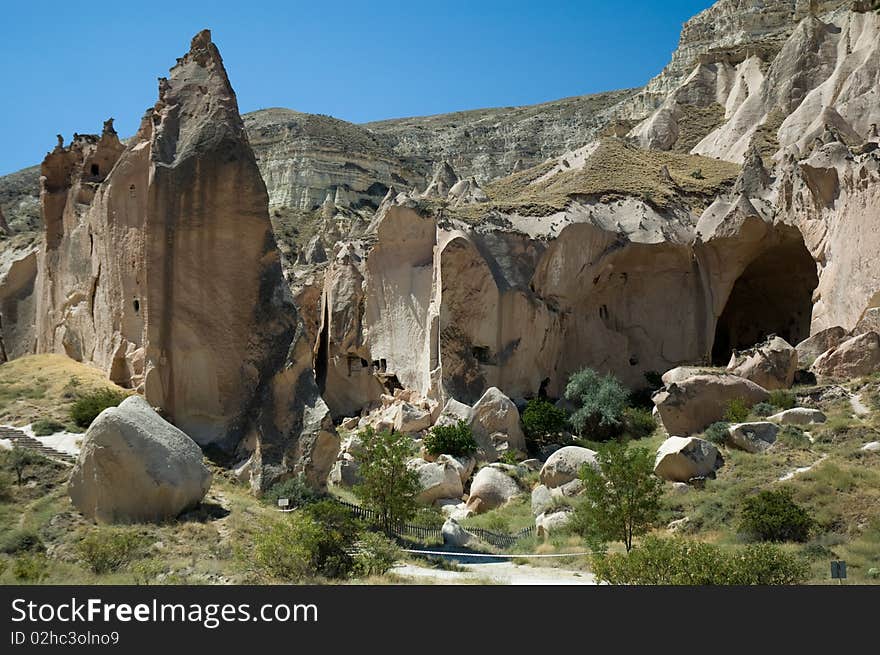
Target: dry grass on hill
x: 44, y: 387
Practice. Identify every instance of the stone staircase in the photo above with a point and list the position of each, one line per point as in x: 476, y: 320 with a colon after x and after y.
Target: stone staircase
x: 19, y: 438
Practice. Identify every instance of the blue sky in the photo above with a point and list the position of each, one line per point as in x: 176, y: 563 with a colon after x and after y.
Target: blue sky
x: 66, y: 66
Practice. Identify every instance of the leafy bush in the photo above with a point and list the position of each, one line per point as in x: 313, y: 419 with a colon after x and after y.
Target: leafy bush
x: 295, y: 489
x: 682, y: 562
x: 774, y: 516
x: 87, y: 407
x: 763, y: 409
x: 21, y: 541
x: 783, y: 399
x: 314, y: 541
x: 512, y: 457
x: 638, y: 423
x: 456, y: 440
x: 622, y: 499
x: 32, y: 568
x: 45, y: 427
x: 736, y: 410
x: 543, y: 422
x: 376, y: 554
x: 717, y: 432
x: 601, y: 401
x: 108, y: 549
x: 793, y: 436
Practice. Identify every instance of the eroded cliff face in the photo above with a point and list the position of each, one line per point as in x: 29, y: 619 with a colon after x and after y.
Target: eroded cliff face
x: 822, y: 76
x: 159, y: 265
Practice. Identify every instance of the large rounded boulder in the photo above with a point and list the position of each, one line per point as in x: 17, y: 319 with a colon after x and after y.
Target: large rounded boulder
x: 680, y: 459
x: 565, y: 464
x: 853, y: 358
x: 136, y: 467
x: 496, y: 422
x: 693, y: 404
x: 491, y: 488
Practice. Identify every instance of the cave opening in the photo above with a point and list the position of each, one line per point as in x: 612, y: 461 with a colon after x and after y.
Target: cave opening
x: 773, y: 295
x: 322, y: 355
x: 96, y: 170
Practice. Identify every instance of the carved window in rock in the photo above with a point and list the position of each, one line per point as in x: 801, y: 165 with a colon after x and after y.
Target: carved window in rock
x: 356, y: 364
x: 136, y: 305
x: 132, y: 191
x: 482, y: 354
x: 95, y: 170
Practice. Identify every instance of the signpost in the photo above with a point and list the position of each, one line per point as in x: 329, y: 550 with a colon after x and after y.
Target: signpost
x: 838, y: 570
x: 283, y: 503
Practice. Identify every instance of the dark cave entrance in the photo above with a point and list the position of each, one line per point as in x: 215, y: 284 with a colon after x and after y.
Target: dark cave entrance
x: 774, y: 295
x: 322, y: 356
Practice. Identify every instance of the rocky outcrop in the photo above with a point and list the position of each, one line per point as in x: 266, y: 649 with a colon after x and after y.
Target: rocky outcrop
x: 18, y: 272
x: 690, y: 406
x: 680, y: 459
x: 135, y: 276
x: 753, y: 437
x: 798, y: 416
x: 491, y: 488
x: 564, y: 465
x: 135, y: 467
x: 771, y: 365
x: 855, y: 357
x: 809, y: 349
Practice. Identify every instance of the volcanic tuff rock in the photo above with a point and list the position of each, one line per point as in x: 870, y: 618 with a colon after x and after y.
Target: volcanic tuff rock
x: 134, y: 275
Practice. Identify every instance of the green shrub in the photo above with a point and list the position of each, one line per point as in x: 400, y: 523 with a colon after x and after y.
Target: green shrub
x: 45, y: 427
x: 543, y: 422
x: 31, y: 568
x: 793, y: 436
x: 774, y: 516
x: 317, y: 540
x: 638, y: 423
x: 717, y: 432
x: 4, y: 564
x: 512, y: 457
x: 87, y: 407
x: 679, y: 561
x: 376, y: 554
x: 108, y: 549
x: 295, y: 489
x: 456, y: 440
x: 601, y: 401
x: 21, y: 541
x: 783, y: 399
x: 736, y: 410
x: 763, y: 409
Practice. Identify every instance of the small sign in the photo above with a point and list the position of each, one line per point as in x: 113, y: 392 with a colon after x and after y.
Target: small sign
x: 283, y: 502
x: 838, y: 570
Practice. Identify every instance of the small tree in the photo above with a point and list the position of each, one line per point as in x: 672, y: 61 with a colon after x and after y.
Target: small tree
x: 19, y: 459
x: 387, y: 485
x: 601, y: 401
x: 621, y: 499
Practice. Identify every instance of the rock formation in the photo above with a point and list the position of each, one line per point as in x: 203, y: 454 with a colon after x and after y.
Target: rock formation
x: 159, y: 265
x: 136, y: 467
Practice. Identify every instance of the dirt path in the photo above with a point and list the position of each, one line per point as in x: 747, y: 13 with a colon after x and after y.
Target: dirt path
x: 503, y: 573
x: 859, y: 408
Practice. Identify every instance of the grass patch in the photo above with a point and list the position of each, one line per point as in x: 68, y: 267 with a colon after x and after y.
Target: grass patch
x: 43, y: 388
